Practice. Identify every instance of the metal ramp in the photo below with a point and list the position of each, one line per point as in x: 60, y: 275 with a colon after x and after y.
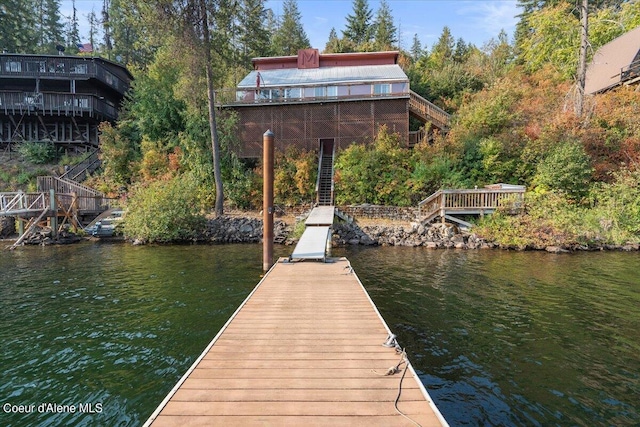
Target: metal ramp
x: 317, y: 234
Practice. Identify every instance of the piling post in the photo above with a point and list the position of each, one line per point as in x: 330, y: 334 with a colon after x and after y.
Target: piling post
x: 54, y: 213
x: 267, y: 200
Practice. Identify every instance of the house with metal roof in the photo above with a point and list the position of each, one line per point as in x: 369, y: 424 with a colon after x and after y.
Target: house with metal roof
x: 614, y: 64
x: 316, y: 100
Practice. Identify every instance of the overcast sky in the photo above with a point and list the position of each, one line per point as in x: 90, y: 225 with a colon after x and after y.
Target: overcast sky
x: 474, y: 21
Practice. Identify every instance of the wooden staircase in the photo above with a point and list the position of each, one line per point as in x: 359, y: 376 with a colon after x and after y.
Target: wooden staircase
x: 81, y: 171
x: 428, y: 112
x: 324, y: 184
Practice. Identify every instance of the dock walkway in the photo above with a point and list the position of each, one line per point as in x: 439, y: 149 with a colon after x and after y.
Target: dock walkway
x: 305, y: 348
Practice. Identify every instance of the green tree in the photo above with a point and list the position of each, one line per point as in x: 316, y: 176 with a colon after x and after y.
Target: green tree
x: 567, y: 169
x: 49, y: 28
x: 416, y: 48
x: 290, y: 35
x: 17, y: 26
x: 385, y: 33
x: 164, y: 211
x: 442, y: 51
x: 73, y: 30
x: 253, y: 39
x: 358, y: 28
x: 129, y: 35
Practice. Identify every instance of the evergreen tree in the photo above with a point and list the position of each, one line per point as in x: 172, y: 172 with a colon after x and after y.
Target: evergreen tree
x: 416, y: 48
x: 338, y: 45
x: 253, y: 37
x: 358, y: 28
x: 290, y: 35
x: 128, y: 34
x: 48, y: 25
x: 17, y: 24
x: 384, y: 31
x: 93, y: 28
x: 442, y: 51
x: 73, y: 30
x: 106, y: 28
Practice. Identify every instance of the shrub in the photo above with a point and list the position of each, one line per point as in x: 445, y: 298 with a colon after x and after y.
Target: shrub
x: 165, y: 211
x: 38, y: 152
x: 567, y: 168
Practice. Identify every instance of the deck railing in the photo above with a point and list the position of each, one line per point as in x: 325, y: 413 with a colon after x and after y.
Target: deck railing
x: 429, y: 111
x: 20, y: 202
x: 56, y: 104
x: 88, y: 199
x: 471, y: 202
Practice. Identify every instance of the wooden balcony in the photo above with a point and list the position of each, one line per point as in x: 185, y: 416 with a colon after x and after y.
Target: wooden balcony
x: 64, y: 68
x: 57, y: 104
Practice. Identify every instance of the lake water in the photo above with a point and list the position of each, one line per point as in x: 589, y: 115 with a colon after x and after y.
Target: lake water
x: 498, y: 338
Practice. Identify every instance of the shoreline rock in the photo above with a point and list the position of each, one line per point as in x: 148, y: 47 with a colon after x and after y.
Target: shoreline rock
x: 228, y: 229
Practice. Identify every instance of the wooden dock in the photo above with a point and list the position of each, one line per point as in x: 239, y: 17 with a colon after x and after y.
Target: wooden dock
x: 305, y: 348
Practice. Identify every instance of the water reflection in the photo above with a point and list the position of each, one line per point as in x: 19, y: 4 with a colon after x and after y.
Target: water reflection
x: 519, y: 338
x: 499, y: 338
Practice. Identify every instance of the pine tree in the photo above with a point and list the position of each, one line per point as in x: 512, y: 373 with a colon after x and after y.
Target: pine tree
x: 442, y: 51
x: 48, y: 25
x: 253, y: 37
x: 416, y: 48
x: 17, y: 26
x: 290, y: 35
x: 73, y: 30
x: 358, y: 28
x: 384, y: 31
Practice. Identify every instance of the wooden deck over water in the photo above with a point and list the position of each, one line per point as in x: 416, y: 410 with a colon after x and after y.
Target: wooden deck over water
x: 305, y: 348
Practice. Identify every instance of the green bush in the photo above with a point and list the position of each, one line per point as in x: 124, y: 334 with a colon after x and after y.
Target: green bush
x: 375, y: 174
x: 38, y: 152
x: 165, y: 211
x: 566, y: 168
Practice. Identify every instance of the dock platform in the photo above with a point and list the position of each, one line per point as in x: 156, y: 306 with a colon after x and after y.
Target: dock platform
x: 304, y: 348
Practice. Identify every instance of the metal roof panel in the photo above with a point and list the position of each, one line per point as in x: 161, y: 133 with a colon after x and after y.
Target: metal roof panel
x: 324, y: 76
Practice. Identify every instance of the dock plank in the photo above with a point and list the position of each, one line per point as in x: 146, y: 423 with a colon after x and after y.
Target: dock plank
x: 304, y: 349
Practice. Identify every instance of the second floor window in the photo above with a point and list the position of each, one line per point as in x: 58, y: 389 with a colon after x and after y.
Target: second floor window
x: 382, y: 89
x: 13, y: 66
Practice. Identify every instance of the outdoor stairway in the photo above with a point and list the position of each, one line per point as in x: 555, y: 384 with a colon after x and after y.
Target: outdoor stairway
x: 427, y: 112
x: 82, y: 170
x: 325, y: 180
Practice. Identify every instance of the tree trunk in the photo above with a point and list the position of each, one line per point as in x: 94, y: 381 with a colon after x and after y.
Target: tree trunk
x: 215, y: 143
x: 582, y: 64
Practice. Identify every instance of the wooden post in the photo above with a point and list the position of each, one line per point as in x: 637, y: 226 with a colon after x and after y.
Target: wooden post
x: 22, y: 204
x: 54, y: 213
x: 267, y: 200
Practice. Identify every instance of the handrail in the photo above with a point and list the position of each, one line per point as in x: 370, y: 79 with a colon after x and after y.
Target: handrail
x: 247, y: 96
x: 319, y: 168
x: 81, y: 168
x: 66, y: 186
x: 465, y: 199
x: 428, y: 110
x: 333, y: 158
x: 22, y: 202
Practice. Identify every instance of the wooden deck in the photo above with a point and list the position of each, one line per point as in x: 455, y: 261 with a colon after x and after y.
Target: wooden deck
x: 305, y: 348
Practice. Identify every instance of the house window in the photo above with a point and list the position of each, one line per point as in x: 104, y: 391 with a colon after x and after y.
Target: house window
x: 13, y: 66
x: 320, y: 92
x: 332, y: 91
x: 79, y: 69
x: 293, y: 92
x: 381, y: 89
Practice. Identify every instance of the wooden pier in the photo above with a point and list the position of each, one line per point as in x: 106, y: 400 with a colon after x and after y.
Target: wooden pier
x: 305, y: 348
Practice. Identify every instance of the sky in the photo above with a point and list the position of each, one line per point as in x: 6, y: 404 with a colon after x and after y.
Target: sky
x: 474, y: 21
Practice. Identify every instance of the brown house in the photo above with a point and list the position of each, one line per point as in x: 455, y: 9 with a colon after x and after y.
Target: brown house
x: 58, y: 99
x: 315, y: 100
x: 614, y: 64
